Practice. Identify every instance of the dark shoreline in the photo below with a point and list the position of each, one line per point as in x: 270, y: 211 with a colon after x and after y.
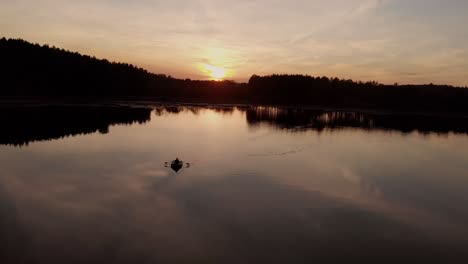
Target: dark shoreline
x: 151, y: 102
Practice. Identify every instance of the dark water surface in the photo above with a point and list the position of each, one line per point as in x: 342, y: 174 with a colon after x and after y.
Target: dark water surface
x: 266, y: 185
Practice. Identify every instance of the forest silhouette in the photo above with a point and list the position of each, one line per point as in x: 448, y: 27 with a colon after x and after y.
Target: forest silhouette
x: 34, y: 71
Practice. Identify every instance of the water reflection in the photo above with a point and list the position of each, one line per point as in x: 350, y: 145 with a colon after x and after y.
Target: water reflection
x: 304, y: 119
x: 267, y: 185
x: 22, y: 125
x: 13, y: 238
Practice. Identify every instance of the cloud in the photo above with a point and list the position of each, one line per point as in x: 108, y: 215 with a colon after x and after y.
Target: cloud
x: 268, y: 36
x: 367, y: 6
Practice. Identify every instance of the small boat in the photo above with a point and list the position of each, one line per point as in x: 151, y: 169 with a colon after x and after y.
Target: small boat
x: 177, y: 164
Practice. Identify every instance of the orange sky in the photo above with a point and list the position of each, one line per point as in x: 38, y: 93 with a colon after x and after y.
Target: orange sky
x: 418, y: 41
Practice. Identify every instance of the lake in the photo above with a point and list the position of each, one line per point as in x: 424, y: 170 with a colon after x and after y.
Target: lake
x: 89, y: 184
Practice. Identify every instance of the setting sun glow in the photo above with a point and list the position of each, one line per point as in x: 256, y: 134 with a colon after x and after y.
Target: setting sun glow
x: 216, y: 73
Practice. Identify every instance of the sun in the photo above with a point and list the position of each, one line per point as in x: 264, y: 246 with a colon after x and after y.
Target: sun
x: 216, y: 73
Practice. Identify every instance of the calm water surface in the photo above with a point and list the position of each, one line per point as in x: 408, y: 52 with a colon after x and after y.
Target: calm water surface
x: 265, y: 185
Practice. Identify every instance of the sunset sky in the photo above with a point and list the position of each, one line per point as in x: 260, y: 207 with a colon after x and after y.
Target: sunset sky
x: 405, y: 41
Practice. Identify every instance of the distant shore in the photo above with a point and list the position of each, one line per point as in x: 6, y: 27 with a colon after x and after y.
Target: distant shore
x: 146, y: 102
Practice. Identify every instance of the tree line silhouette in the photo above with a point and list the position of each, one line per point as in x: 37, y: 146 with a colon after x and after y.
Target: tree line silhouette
x: 323, y: 91
x: 31, y: 70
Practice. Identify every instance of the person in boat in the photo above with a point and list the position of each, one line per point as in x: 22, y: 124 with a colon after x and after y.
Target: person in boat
x: 176, y: 164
